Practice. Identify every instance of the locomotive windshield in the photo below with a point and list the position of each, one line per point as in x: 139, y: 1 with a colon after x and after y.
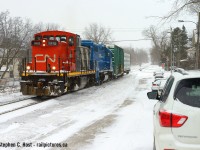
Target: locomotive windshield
x: 38, y: 37
x: 48, y: 37
x: 61, y: 38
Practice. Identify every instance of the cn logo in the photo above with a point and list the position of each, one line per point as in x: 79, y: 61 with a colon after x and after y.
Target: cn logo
x: 42, y: 58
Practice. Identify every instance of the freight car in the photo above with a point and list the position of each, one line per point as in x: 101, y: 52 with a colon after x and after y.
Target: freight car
x: 120, y: 61
x: 60, y: 64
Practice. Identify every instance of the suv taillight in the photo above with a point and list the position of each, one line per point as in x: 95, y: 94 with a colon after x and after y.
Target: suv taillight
x: 168, y: 119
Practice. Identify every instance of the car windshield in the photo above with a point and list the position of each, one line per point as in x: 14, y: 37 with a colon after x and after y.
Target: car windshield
x: 188, y: 92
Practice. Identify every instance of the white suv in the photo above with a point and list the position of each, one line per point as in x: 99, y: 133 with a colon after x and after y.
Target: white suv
x: 177, y: 113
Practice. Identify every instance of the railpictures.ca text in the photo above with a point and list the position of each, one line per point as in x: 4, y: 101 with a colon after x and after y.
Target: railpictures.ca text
x: 30, y: 144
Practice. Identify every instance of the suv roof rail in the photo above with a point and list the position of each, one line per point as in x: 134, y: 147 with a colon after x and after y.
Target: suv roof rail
x: 181, y: 70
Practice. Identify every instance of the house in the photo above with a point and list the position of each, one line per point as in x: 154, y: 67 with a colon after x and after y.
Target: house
x: 191, y: 52
x: 2, y: 70
x: 12, y: 71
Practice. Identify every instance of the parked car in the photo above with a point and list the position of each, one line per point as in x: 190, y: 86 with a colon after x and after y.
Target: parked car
x: 156, y: 84
x: 161, y: 86
x: 176, y: 114
x: 159, y: 75
x: 160, y: 71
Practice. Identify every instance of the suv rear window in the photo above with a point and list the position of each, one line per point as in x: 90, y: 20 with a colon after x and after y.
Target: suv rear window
x: 188, y: 92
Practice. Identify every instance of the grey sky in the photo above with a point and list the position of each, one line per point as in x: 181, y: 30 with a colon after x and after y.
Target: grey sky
x: 126, y: 18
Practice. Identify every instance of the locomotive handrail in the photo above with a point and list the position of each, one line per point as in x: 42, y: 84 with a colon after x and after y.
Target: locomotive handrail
x: 35, y: 65
x: 59, y: 66
x: 46, y: 64
x: 25, y: 65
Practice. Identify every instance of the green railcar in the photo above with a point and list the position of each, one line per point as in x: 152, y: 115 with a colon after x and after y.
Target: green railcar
x: 117, y: 60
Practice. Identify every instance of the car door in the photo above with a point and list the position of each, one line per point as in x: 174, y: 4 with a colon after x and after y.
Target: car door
x: 161, y: 103
x: 187, y: 103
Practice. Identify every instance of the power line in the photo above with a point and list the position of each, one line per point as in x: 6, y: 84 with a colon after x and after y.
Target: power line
x: 132, y: 40
x: 112, y: 29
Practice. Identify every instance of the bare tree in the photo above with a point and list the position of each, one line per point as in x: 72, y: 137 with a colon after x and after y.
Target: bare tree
x: 138, y: 56
x: 159, y: 41
x: 98, y: 33
x: 39, y: 27
x: 14, y: 35
x: 141, y: 56
x: 192, y: 6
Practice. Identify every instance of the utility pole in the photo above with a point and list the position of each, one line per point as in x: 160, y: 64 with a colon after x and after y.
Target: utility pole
x: 197, y: 49
x: 197, y: 45
x: 171, y: 45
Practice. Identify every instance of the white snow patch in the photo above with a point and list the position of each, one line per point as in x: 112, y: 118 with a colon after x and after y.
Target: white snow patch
x: 23, y: 111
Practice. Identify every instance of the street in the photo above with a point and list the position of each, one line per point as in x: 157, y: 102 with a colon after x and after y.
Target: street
x: 113, y: 116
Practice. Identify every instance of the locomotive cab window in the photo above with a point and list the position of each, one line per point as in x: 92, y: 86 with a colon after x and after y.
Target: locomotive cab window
x: 45, y: 36
x: 58, y: 38
x: 63, y: 38
x: 51, y: 37
x: 48, y: 37
x: 38, y: 37
x: 71, y: 41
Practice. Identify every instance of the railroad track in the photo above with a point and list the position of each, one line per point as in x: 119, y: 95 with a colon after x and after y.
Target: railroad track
x: 15, y: 101
x: 16, y: 105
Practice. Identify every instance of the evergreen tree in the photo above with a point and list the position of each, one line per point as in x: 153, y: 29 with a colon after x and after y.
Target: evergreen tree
x: 183, y: 43
x: 179, y: 44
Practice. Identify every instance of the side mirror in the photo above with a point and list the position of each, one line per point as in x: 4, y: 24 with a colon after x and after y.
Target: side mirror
x: 153, y: 95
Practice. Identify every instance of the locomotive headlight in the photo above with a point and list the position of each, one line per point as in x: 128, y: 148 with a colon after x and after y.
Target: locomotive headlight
x: 43, y: 41
x: 28, y: 67
x: 54, y: 68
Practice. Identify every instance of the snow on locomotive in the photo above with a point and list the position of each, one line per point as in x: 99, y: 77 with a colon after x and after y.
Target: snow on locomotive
x: 59, y: 64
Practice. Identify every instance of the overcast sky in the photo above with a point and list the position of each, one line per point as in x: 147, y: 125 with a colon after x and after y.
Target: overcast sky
x: 126, y: 18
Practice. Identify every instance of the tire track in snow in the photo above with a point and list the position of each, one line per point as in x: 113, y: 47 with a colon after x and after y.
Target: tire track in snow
x: 87, y: 134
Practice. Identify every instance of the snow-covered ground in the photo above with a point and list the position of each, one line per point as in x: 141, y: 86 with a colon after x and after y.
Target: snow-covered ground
x: 114, y: 116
